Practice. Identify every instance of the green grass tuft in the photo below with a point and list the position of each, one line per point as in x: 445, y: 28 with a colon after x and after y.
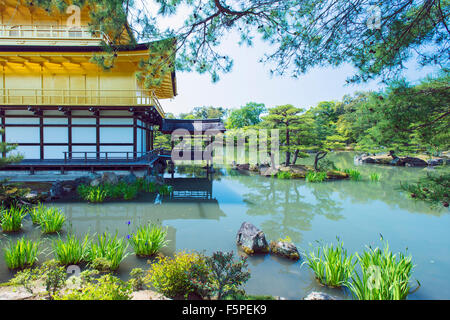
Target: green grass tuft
x: 11, y: 219
x: 72, y: 251
x: 21, y: 254
x: 148, y: 240
x: 112, y: 249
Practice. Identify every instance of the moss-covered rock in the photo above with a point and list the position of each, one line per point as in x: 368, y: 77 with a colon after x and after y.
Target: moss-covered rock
x: 285, y: 249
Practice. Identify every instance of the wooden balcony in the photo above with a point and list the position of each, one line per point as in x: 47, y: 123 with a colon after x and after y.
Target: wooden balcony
x: 88, y: 98
x: 49, y: 35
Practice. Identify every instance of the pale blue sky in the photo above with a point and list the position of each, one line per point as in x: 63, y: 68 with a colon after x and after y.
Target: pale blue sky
x: 250, y: 81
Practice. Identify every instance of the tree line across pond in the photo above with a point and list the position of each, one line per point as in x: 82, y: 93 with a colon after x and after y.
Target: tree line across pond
x: 403, y: 117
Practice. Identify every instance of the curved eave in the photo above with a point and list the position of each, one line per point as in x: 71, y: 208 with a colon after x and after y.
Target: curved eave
x: 166, y: 91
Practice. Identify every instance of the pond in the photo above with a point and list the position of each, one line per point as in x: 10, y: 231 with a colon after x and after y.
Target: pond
x: 205, y: 215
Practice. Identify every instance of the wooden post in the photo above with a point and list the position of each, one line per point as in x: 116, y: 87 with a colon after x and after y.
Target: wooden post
x: 69, y: 135
x: 97, y: 134
x: 134, y: 137
x: 41, y: 135
x: 4, y: 131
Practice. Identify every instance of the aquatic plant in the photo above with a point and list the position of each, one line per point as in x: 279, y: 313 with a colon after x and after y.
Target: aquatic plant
x: 130, y: 193
x: 11, y: 219
x: 165, y: 190
x: 145, y: 186
x: 284, y: 175
x: 354, y: 174
x: 375, y: 177
x: 21, y: 254
x: 72, y: 251
x: 108, y: 247
x: 148, y: 240
x: 173, y: 277
x: 433, y: 189
x: 36, y: 213
x: 332, y: 265
x: 51, y: 220
x: 384, y: 276
x: 313, y: 176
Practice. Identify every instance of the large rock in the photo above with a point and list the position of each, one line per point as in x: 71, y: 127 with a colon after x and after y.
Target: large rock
x: 158, y: 180
x: 268, y: 171
x: 285, y: 249
x: 337, y: 175
x: 243, y: 167
x: 319, y: 296
x: 110, y: 178
x: 129, y: 179
x: 413, y: 162
x: 251, y: 239
x: 57, y: 190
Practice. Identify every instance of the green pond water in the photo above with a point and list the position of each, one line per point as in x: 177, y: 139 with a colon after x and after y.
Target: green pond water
x: 208, y: 213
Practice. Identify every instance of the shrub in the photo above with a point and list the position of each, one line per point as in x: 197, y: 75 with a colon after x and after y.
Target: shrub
x: 51, y: 220
x: 130, y: 193
x: 55, y: 277
x: 173, y: 277
x: 109, y: 248
x: 227, y: 275
x: 384, y: 276
x: 72, y: 251
x: 21, y: 254
x: 313, y: 176
x: 331, y: 264
x: 106, y: 287
x: 354, y: 174
x: 11, y: 220
x: 148, y: 240
x: 137, y: 279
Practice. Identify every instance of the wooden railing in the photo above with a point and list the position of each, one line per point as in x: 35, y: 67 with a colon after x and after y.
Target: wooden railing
x: 88, y: 97
x: 110, y: 156
x: 21, y: 32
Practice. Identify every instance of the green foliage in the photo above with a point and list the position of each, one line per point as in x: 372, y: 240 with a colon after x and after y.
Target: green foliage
x: 96, y: 194
x: 248, y: 115
x: 36, y: 213
x: 375, y: 177
x: 173, y: 277
x: 384, y: 276
x: 7, y: 148
x: 106, y: 287
x: 21, y: 254
x: 326, y: 165
x: 11, y: 194
x: 354, y: 174
x: 332, y: 265
x: 11, y: 219
x: 110, y: 248
x: 165, y: 190
x: 313, y: 176
x: 137, y: 280
x: 284, y: 175
x: 55, y: 277
x: 51, y: 220
x: 226, y: 275
x: 148, y: 240
x: 432, y: 188
x: 72, y: 251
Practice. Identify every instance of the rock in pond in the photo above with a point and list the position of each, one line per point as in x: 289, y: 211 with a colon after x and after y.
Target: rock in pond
x: 285, y: 249
x: 251, y: 239
x: 319, y: 296
x: 268, y: 171
x: 159, y: 180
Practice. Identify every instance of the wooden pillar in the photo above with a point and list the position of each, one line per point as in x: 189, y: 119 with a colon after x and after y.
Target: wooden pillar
x: 4, y: 131
x: 134, y: 137
x: 97, y: 134
x: 41, y: 135
x: 148, y: 138
x: 69, y: 135
x: 152, y: 139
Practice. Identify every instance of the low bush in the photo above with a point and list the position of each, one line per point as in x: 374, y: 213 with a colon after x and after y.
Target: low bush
x: 21, y: 254
x: 173, y: 277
